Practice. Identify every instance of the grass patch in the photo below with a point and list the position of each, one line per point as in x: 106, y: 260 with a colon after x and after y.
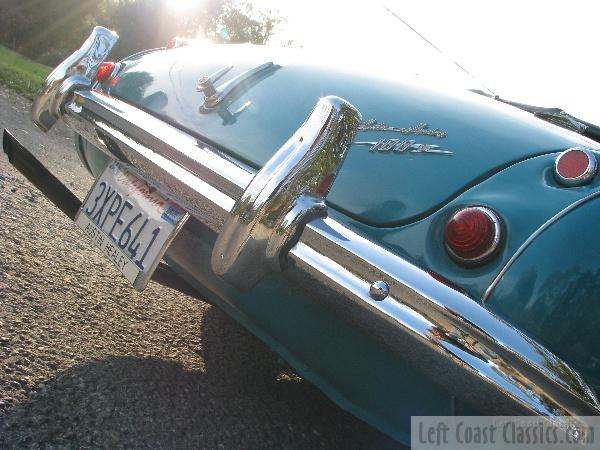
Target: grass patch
x: 21, y: 74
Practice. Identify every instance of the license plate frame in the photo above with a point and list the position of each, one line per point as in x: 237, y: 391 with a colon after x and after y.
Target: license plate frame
x: 104, y: 221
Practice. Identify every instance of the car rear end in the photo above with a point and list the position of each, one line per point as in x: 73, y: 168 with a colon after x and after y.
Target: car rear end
x: 378, y: 307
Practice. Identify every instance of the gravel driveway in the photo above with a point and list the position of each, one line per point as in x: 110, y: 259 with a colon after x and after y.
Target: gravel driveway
x: 86, y: 362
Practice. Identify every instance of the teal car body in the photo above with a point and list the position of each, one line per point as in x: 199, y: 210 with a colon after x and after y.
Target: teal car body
x: 502, y: 157
x: 552, y: 290
x: 491, y: 154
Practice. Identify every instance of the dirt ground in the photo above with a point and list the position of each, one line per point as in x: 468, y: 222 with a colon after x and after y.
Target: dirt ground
x: 86, y: 362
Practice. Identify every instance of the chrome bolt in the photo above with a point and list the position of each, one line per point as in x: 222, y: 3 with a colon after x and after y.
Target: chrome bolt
x: 379, y: 290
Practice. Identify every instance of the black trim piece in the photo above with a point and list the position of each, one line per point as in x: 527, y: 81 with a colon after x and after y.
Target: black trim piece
x: 39, y: 176
x: 80, y: 150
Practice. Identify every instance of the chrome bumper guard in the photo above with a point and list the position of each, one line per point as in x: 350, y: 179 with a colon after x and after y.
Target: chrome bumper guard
x: 275, y: 219
x: 77, y: 71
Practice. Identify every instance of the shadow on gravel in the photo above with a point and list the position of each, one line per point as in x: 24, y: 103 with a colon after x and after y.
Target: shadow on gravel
x: 242, y: 398
x: 91, y: 364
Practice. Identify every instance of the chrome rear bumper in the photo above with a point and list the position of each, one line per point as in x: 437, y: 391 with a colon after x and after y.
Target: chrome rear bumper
x: 454, y: 340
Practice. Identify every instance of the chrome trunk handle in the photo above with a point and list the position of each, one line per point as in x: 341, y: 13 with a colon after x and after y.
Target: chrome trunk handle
x: 284, y: 195
x: 215, y: 96
x: 77, y: 71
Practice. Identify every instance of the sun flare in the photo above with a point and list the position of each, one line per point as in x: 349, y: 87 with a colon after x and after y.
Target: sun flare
x: 182, y: 6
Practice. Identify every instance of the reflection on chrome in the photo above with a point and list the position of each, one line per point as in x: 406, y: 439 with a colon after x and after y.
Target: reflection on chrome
x: 77, y: 71
x: 477, y: 356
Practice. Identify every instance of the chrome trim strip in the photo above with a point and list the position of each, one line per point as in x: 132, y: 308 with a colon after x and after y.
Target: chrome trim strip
x: 450, y: 337
x: 561, y: 118
x: 488, y: 292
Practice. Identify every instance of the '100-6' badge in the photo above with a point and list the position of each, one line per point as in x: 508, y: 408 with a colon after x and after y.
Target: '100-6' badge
x: 403, y: 145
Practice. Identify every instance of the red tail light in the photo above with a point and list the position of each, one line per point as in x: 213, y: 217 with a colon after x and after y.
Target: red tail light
x: 177, y: 42
x: 473, y: 235
x: 105, y: 71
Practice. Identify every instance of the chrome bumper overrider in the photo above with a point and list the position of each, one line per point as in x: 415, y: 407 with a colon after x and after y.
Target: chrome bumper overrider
x: 276, y: 218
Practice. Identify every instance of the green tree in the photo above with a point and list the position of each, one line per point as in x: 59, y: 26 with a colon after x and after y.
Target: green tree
x: 239, y: 22
x: 48, y: 31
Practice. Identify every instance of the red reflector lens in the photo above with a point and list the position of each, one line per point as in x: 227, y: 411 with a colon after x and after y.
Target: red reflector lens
x: 472, y: 234
x: 575, y: 167
x: 573, y: 164
x: 105, y: 71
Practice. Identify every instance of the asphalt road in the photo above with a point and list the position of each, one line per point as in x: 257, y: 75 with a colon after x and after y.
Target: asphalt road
x: 86, y: 362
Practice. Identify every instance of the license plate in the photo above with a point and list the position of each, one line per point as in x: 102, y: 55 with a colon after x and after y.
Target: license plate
x: 130, y: 222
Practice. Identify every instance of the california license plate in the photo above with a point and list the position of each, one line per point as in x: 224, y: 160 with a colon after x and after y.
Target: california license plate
x: 130, y: 222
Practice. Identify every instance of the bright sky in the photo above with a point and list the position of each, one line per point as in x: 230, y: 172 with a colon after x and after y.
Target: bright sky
x: 539, y: 52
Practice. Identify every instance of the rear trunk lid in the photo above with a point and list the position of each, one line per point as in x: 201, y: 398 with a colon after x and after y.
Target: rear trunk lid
x: 379, y: 188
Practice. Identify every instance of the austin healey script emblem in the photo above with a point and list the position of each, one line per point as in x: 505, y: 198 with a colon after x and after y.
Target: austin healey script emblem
x: 421, y: 129
x: 403, y: 145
